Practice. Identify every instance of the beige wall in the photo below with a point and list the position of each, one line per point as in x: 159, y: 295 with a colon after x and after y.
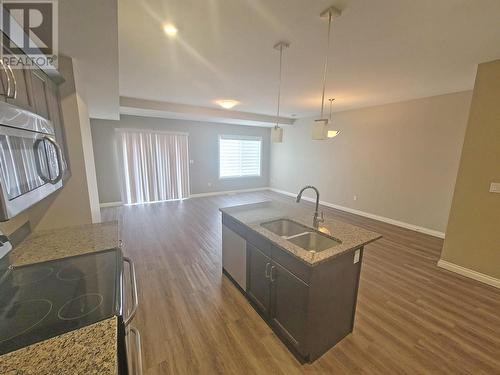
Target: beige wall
x: 203, y: 151
x: 399, y: 159
x: 473, y: 234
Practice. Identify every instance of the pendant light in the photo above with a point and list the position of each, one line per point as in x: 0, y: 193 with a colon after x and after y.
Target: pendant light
x: 277, y: 132
x: 320, y: 126
x: 331, y: 133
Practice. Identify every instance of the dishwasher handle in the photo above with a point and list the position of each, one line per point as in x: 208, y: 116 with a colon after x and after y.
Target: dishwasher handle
x: 138, y: 351
x: 135, y: 301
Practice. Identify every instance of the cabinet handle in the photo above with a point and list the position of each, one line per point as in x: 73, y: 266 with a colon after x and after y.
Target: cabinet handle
x: 272, y: 273
x: 267, y: 270
x: 14, y: 94
x: 138, y: 351
x: 7, y: 93
x: 38, y: 162
x: 60, y: 161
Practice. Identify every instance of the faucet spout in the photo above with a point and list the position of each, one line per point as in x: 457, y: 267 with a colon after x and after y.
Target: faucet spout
x: 317, y: 217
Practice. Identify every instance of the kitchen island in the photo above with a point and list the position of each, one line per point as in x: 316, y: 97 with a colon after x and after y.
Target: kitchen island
x: 303, y: 281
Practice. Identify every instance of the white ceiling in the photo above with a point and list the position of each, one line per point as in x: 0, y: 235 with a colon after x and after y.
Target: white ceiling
x: 383, y: 51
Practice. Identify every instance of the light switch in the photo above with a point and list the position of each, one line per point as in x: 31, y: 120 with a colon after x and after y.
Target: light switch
x: 191, y: 161
x: 356, y: 256
x: 495, y: 187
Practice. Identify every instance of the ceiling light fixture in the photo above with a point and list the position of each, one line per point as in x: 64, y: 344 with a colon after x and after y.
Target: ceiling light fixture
x: 227, y: 103
x: 320, y: 126
x: 277, y: 132
x: 331, y: 133
x: 170, y: 29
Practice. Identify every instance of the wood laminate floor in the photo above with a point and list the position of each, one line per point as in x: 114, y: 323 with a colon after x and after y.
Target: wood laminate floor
x: 412, y: 317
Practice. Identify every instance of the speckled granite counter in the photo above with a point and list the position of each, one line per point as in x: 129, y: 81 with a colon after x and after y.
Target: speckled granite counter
x: 64, y: 242
x: 88, y: 350
x: 252, y: 215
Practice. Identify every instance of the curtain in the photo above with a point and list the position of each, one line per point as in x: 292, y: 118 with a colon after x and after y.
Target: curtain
x: 155, y: 166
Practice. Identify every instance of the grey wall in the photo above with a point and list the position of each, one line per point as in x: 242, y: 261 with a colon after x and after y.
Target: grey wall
x: 203, y: 150
x: 400, y: 160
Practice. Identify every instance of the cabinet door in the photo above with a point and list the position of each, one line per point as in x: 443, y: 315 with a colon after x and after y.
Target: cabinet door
x: 3, y: 84
x: 258, y: 287
x: 289, y: 306
x: 39, y: 89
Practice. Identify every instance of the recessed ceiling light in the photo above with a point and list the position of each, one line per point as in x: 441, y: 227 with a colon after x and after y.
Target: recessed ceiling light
x: 170, y: 29
x: 227, y: 103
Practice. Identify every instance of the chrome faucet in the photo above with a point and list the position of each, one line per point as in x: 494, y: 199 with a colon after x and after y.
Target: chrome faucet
x: 318, y: 217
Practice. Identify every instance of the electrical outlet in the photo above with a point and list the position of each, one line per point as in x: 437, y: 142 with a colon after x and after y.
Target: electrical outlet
x: 191, y: 161
x: 355, y: 198
x: 209, y: 184
x: 495, y: 187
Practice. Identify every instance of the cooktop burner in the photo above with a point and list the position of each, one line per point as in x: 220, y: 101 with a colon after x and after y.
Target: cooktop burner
x: 43, y: 300
x: 22, y: 317
x: 80, y: 306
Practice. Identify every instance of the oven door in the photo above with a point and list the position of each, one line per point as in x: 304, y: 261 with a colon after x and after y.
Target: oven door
x: 31, y: 167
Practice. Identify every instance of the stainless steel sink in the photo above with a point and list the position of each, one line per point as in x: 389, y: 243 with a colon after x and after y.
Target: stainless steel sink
x: 314, y: 241
x: 285, y: 227
x: 300, y: 235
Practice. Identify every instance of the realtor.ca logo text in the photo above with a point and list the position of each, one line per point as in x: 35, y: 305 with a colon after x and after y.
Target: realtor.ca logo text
x: 30, y: 35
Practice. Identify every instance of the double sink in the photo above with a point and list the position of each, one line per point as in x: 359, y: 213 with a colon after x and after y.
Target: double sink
x: 307, y: 238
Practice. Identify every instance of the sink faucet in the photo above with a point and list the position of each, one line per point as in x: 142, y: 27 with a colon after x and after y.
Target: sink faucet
x: 318, y: 217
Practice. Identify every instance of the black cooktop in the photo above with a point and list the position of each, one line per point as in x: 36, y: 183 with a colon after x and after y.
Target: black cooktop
x: 44, y: 300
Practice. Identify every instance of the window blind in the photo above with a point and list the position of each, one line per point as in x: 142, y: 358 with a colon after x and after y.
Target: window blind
x: 239, y: 156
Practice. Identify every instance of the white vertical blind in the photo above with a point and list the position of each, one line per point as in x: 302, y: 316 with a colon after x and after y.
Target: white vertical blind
x: 239, y: 156
x: 155, y: 166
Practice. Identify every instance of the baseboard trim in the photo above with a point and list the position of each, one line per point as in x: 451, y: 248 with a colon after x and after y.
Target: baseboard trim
x: 224, y: 192
x: 387, y: 220
x: 467, y: 272
x: 199, y: 195
x: 110, y: 204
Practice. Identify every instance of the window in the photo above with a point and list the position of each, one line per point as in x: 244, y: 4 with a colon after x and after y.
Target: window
x: 239, y: 156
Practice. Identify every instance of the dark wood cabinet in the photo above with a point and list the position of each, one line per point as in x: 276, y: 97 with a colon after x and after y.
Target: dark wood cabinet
x: 40, y: 89
x: 22, y: 96
x: 18, y: 80
x: 258, y: 275
x: 311, y: 308
x: 289, y: 306
x: 3, y: 84
x: 278, y: 295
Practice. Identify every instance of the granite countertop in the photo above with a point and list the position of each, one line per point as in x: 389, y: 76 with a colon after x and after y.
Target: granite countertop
x: 252, y: 215
x: 65, y: 242
x: 88, y: 350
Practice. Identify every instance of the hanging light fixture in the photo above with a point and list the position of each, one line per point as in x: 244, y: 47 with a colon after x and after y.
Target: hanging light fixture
x: 320, y: 126
x: 277, y: 132
x: 331, y: 133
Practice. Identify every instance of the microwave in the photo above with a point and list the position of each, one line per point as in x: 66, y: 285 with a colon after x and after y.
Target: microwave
x: 32, y: 164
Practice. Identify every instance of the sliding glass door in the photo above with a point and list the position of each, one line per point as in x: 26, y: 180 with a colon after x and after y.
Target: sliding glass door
x: 155, y: 165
